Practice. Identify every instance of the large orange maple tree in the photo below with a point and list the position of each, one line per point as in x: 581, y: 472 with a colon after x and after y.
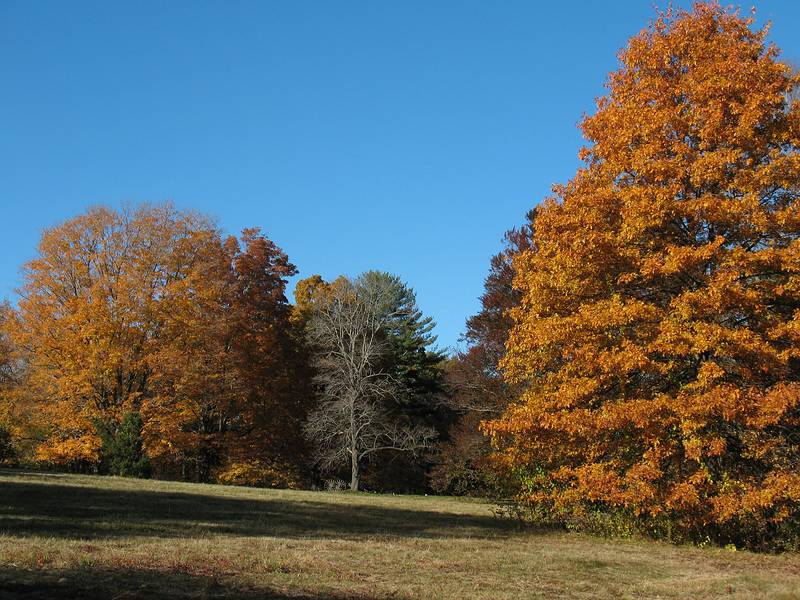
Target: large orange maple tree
x: 658, y: 334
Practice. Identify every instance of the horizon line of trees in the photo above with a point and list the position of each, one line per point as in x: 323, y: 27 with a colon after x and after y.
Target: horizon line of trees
x: 634, y: 367
x: 146, y: 343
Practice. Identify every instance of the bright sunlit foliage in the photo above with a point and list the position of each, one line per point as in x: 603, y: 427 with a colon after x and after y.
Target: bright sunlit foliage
x: 658, y: 332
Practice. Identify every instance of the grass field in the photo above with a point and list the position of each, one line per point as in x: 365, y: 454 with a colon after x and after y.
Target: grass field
x: 90, y: 537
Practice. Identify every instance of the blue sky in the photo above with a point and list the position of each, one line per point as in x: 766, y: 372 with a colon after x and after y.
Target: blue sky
x: 402, y: 136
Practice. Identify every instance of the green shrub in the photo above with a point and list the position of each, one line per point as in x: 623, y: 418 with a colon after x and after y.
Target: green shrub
x: 122, y: 451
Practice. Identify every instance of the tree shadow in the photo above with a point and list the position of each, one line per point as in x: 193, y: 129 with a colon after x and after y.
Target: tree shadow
x: 133, y: 584
x: 77, y: 512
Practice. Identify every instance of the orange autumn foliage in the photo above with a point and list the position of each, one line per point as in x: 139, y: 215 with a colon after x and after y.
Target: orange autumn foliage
x: 88, y: 318
x: 658, y: 335
x: 14, y: 418
x: 228, y: 391
x: 149, y: 310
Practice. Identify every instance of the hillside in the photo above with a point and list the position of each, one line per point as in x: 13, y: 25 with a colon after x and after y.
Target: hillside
x: 66, y: 536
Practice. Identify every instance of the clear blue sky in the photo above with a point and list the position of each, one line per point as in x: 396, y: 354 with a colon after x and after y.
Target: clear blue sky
x: 405, y: 135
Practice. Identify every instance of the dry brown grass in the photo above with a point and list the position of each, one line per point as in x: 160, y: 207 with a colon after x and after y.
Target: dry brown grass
x: 90, y: 537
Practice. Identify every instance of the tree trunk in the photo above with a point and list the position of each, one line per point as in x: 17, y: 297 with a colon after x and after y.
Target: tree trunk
x: 354, y: 457
x: 354, y: 474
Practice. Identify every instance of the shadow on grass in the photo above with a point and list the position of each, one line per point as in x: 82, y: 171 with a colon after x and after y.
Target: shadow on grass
x: 76, y: 512
x: 132, y: 584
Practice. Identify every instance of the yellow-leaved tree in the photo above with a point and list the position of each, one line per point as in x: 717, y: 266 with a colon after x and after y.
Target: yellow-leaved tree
x: 658, y: 334
x: 143, y: 332
x: 88, y: 321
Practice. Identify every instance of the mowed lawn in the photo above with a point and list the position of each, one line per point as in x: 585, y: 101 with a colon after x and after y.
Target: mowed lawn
x: 94, y: 537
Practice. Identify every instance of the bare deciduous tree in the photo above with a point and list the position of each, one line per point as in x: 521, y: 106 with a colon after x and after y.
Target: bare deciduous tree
x: 352, y: 421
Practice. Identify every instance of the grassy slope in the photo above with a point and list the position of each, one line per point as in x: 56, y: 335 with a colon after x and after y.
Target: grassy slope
x: 90, y: 537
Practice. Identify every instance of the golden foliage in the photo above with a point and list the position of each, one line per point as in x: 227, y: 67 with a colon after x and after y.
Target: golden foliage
x: 658, y: 335
x: 149, y: 310
x: 259, y: 473
x: 88, y: 319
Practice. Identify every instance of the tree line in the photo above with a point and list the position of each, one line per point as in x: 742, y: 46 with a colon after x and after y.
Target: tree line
x: 147, y: 343
x: 634, y: 367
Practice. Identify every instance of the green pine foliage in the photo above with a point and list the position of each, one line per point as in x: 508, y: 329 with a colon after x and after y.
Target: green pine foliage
x: 123, y: 453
